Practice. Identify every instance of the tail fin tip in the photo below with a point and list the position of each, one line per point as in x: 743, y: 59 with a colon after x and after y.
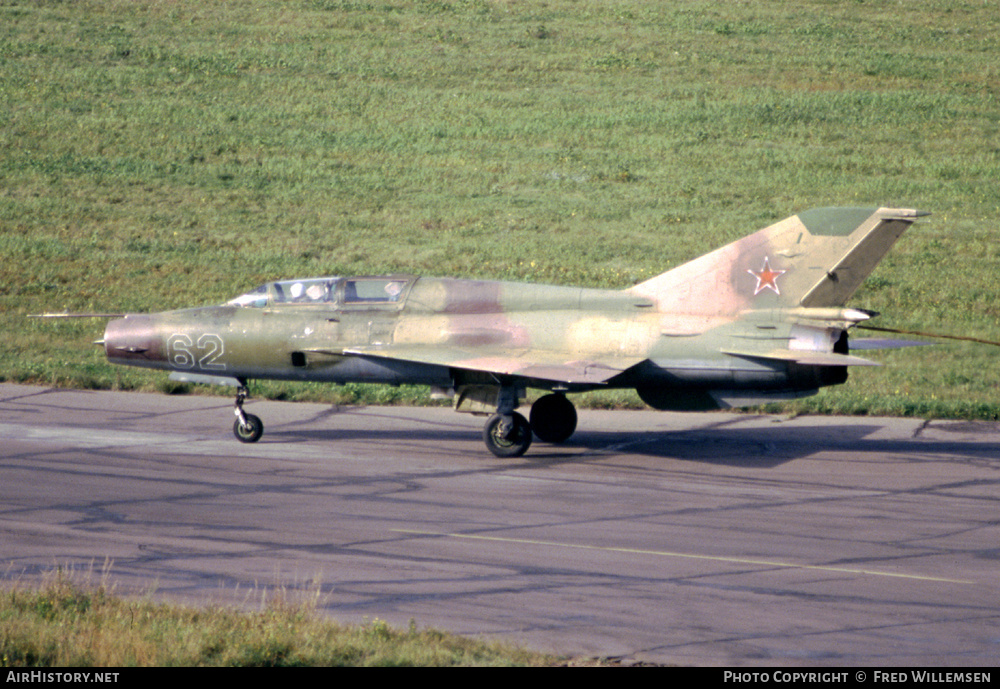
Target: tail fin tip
x: 840, y: 221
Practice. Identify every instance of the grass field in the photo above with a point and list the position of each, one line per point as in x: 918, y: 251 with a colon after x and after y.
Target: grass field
x: 72, y: 622
x: 158, y: 154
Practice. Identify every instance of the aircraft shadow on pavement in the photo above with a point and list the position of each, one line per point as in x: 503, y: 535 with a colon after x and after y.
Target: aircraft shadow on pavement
x: 739, y: 447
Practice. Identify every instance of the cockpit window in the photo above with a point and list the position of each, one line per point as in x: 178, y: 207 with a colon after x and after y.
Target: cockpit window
x: 307, y: 291
x: 373, y: 290
x: 256, y: 298
x: 311, y: 291
x: 364, y: 290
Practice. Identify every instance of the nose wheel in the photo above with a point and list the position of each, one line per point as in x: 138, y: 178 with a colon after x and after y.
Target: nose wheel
x: 250, y: 430
x: 248, y: 427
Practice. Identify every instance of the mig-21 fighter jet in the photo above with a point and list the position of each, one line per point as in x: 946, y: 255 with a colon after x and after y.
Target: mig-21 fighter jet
x: 758, y: 320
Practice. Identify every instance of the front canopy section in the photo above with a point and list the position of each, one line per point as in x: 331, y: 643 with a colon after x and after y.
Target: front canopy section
x: 305, y: 291
x: 374, y: 290
x: 256, y: 298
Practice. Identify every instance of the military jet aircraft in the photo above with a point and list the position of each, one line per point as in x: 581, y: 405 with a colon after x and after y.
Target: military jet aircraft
x: 758, y: 320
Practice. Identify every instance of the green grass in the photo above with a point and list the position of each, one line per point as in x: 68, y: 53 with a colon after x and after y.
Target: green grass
x: 69, y: 623
x: 158, y: 155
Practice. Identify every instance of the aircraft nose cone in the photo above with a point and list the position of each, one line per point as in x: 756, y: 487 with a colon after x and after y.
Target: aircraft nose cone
x: 133, y: 338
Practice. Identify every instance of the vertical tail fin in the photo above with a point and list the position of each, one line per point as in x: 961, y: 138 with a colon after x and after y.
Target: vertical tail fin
x: 817, y: 258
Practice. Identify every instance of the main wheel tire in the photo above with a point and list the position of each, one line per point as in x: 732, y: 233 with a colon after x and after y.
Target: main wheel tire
x: 515, y: 442
x: 251, y: 432
x: 553, y: 418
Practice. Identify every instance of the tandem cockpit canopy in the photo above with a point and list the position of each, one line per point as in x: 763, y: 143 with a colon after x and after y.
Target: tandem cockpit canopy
x: 328, y: 290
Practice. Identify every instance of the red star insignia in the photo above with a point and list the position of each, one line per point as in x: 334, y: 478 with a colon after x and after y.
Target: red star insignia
x: 767, y: 278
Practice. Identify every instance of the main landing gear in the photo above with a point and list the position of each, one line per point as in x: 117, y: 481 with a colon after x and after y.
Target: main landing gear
x: 508, y: 434
x: 247, y: 428
x: 553, y: 418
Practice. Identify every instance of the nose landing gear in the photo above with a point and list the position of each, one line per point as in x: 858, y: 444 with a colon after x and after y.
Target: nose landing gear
x: 247, y: 428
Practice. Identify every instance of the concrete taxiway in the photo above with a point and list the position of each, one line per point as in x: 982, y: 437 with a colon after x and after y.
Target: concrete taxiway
x: 695, y: 539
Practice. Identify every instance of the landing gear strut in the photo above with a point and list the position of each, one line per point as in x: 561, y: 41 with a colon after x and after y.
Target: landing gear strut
x: 247, y: 428
x: 507, y: 433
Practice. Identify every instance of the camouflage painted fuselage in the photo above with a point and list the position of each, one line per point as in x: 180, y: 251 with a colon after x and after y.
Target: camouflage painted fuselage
x: 760, y: 319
